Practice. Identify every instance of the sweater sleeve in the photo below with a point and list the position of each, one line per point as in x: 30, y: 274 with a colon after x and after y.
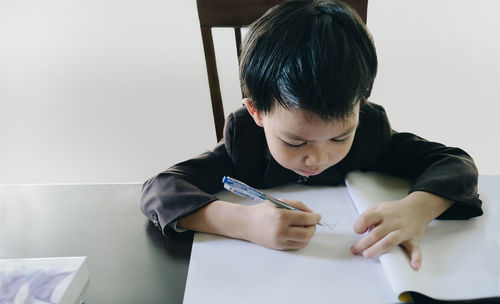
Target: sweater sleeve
x: 445, y: 171
x: 186, y: 187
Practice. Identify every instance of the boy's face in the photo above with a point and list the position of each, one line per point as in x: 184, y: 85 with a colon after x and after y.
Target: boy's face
x: 302, y: 142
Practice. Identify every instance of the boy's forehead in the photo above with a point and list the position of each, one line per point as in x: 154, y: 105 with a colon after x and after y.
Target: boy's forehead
x: 299, y: 116
x: 301, y: 123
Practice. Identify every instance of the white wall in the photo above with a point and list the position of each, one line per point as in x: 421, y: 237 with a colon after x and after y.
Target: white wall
x: 115, y: 91
x: 100, y: 90
x: 439, y: 72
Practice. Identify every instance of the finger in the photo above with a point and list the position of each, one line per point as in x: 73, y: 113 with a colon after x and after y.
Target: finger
x: 367, y: 220
x: 301, y: 234
x: 415, y: 254
x: 389, y: 241
x: 299, y: 218
x: 296, y: 204
x: 368, y: 240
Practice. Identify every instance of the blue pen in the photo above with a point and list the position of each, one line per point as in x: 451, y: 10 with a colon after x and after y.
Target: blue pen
x: 245, y: 190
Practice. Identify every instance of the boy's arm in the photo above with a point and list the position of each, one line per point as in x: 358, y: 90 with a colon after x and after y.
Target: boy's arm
x: 263, y: 223
x: 447, y: 172
x: 190, y: 185
x: 182, y: 194
x: 445, y: 186
x: 185, y: 188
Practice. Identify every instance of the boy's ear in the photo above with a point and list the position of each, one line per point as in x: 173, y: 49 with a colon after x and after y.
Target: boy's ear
x: 249, y: 104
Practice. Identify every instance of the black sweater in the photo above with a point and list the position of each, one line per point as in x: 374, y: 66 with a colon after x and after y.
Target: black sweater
x: 243, y: 154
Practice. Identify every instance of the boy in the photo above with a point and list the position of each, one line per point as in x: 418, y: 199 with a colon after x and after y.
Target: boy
x: 307, y: 68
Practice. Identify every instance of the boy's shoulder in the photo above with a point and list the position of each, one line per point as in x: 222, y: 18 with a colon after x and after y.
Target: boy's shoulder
x: 370, y: 139
x: 373, y: 123
x: 240, y: 115
x: 371, y: 110
x: 373, y: 120
x: 240, y: 124
x: 245, y: 141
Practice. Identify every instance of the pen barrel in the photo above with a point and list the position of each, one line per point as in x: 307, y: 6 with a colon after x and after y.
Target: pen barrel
x: 280, y: 203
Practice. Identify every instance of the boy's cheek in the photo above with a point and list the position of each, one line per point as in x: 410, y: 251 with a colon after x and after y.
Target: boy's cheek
x: 286, y: 159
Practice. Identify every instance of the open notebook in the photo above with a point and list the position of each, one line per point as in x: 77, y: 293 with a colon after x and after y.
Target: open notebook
x: 460, y: 258
x: 61, y: 280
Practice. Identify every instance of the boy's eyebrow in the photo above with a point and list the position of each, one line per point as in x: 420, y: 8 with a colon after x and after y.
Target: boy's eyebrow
x: 351, y: 129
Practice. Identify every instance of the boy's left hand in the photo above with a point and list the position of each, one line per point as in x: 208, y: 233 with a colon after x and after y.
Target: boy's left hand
x: 395, y: 223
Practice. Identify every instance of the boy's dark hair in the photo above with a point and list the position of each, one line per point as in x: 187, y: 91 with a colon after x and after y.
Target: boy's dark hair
x: 314, y: 55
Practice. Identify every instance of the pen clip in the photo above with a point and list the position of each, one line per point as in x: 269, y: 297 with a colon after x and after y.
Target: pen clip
x: 242, y: 189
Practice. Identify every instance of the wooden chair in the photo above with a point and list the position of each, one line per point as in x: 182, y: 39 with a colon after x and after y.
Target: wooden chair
x: 235, y: 14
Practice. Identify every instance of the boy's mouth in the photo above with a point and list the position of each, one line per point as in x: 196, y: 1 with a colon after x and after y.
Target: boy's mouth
x: 310, y: 173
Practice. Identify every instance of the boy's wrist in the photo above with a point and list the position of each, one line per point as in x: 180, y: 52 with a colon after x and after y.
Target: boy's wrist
x: 218, y: 217
x: 433, y: 205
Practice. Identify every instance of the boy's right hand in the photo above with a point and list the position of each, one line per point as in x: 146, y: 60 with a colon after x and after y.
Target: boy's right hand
x: 279, y: 228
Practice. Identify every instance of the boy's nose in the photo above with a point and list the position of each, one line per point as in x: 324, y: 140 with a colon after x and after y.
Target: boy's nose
x: 317, y: 158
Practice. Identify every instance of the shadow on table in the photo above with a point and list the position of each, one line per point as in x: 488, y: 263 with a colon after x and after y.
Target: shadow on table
x: 176, y: 247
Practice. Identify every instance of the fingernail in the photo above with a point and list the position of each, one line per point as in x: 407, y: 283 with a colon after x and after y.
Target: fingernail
x: 365, y: 254
x: 416, y: 265
x: 353, y: 251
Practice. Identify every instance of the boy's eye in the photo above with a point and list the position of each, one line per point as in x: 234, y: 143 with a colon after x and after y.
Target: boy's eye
x: 339, y: 141
x: 293, y: 145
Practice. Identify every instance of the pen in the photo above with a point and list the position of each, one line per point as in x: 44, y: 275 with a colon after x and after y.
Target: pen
x: 245, y: 190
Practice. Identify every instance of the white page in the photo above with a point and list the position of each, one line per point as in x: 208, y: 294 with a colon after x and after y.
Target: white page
x: 223, y: 270
x: 460, y: 259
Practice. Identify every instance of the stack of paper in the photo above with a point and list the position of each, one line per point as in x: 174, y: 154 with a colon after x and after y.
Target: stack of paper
x: 61, y: 280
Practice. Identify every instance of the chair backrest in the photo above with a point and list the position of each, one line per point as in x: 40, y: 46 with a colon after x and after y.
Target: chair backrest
x: 236, y: 14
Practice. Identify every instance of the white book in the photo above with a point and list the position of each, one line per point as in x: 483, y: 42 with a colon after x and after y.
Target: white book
x: 455, y: 264
x: 61, y: 280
